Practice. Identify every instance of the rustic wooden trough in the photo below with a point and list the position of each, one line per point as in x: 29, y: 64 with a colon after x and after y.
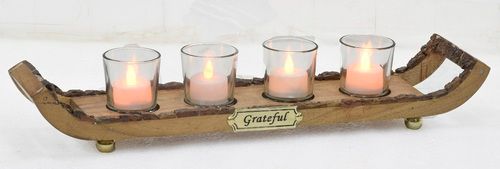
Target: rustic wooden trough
x: 83, y: 114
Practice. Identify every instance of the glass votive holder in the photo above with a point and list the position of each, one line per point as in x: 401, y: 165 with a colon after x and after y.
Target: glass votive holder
x: 366, y: 65
x: 290, y: 68
x: 209, y: 73
x: 131, y: 78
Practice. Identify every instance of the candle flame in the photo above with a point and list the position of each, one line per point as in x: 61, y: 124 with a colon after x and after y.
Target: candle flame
x: 131, y: 75
x: 365, y: 63
x: 208, y: 71
x: 289, y: 65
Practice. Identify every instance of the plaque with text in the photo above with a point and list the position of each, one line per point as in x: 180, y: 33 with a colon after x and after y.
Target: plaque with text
x: 268, y: 118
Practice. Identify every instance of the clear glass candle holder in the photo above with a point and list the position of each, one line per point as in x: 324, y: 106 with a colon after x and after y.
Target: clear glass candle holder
x: 290, y: 68
x: 366, y: 65
x: 131, y: 78
x: 209, y: 73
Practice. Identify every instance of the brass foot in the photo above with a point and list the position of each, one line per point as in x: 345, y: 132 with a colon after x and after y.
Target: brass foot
x: 414, y: 123
x: 105, y: 146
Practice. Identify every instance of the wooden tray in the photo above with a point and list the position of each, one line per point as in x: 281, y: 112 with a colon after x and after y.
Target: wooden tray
x: 83, y: 115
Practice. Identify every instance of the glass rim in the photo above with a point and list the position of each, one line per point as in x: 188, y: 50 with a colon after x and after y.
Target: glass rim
x: 212, y: 43
x: 158, y: 56
x: 377, y: 48
x: 264, y: 44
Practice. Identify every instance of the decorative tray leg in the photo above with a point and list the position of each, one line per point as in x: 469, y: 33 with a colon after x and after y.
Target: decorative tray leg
x: 105, y: 146
x: 414, y: 123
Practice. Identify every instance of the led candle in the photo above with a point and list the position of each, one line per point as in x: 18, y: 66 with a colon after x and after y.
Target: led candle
x: 364, y: 77
x: 208, y: 88
x: 133, y: 92
x: 209, y: 73
x: 288, y: 81
x: 131, y: 74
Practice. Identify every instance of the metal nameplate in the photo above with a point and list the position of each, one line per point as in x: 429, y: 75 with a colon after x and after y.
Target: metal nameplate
x: 269, y: 118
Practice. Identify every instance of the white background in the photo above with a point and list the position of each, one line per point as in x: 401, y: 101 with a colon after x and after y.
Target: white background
x: 64, y: 39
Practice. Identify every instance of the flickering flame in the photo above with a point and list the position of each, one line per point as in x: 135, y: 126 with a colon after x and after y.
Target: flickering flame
x: 289, y: 65
x: 131, y: 75
x: 208, y: 71
x: 365, y: 63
